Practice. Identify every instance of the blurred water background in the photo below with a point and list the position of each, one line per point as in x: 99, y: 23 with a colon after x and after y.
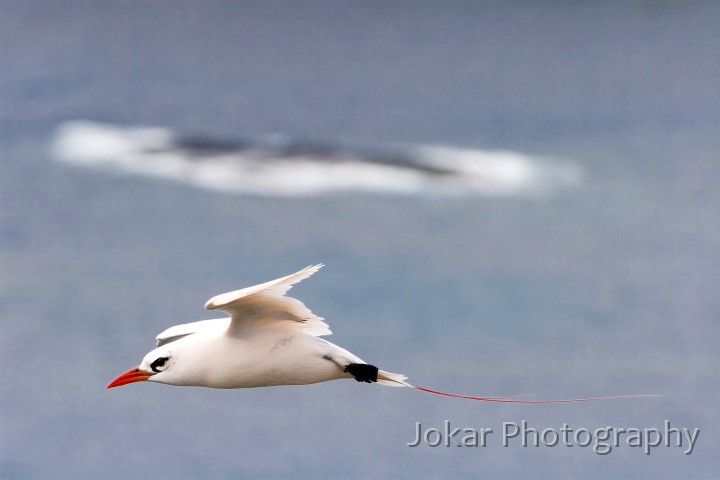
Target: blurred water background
x: 610, y: 287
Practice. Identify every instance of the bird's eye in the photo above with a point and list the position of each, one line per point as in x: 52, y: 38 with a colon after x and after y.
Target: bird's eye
x: 159, y: 363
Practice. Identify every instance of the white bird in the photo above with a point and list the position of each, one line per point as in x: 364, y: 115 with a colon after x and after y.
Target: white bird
x: 269, y: 339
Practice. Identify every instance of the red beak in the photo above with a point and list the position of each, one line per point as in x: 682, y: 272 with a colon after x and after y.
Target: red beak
x: 131, y: 376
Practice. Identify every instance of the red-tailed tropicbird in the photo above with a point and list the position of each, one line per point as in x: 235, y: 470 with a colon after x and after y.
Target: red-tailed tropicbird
x: 269, y: 339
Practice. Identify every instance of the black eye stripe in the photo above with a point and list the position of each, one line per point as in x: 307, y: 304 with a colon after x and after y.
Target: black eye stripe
x: 160, y: 362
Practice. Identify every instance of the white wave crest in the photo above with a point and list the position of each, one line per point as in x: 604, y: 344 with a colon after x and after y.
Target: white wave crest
x: 279, y: 167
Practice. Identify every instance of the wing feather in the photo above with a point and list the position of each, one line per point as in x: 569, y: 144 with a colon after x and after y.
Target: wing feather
x: 179, y: 331
x: 266, y: 306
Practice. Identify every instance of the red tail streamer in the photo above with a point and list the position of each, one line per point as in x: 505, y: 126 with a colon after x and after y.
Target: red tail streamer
x: 513, y: 399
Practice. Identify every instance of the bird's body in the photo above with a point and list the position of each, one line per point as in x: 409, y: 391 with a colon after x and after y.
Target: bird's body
x: 214, y: 358
x: 269, y: 339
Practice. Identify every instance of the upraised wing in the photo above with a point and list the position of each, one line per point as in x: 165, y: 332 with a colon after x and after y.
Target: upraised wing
x: 266, y: 306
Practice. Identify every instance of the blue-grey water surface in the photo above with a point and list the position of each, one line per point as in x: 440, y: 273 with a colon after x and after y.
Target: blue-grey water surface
x: 609, y: 288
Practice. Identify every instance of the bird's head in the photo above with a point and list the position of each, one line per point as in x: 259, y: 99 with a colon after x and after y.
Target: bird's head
x: 155, y: 366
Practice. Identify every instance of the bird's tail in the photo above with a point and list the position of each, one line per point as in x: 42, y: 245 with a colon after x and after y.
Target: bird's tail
x: 397, y: 380
x: 392, y: 379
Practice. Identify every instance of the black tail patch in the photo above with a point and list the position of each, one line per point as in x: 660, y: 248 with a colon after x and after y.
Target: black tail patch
x: 362, y: 372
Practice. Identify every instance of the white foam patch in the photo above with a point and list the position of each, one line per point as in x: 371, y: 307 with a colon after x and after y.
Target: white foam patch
x: 503, y: 172
x: 264, y: 170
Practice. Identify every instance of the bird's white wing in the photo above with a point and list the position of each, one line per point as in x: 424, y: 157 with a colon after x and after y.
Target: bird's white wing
x: 266, y: 306
x: 179, y: 331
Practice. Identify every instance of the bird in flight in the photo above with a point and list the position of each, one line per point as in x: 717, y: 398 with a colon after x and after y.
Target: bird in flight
x: 269, y: 339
